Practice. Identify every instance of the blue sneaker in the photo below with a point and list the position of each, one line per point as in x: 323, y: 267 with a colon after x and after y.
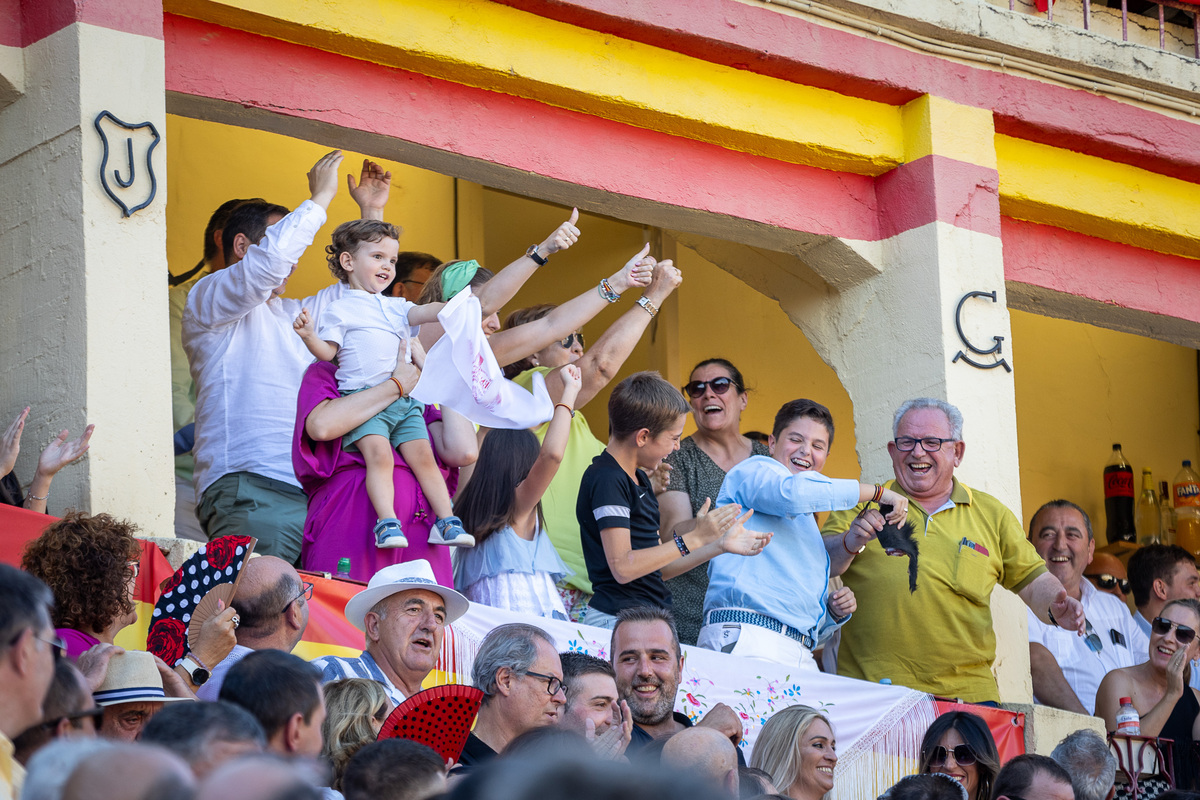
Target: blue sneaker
x: 389, y: 534
x: 450, y: 532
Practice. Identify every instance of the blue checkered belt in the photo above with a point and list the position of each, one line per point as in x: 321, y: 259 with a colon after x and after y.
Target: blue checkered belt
x: 761, y: 620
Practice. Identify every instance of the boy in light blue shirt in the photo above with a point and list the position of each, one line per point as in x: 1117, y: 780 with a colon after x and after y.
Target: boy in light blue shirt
x: 776, y: 605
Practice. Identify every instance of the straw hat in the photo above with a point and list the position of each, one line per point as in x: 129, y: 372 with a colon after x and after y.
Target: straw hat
x: 132, y: 678
x: 400, y: 578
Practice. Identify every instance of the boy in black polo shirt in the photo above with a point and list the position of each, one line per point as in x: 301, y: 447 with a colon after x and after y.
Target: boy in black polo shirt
x: 626, y: 558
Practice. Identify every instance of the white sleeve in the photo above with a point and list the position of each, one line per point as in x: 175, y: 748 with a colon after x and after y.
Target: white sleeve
x: 331, y: 326
x: 229, y: 294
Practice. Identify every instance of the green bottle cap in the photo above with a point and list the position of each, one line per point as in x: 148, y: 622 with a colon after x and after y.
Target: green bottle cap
x: 343, y: 565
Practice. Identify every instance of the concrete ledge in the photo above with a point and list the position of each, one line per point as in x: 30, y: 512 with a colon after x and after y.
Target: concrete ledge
x: 1045, y: 727
x: 176, y: 551
x: 12, y: 74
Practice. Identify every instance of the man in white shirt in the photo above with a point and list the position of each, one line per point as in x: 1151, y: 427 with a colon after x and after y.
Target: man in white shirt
x: 247, y: 364
x: 1067, y: 668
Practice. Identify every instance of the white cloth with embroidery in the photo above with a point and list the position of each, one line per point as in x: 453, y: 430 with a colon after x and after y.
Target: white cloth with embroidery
x: 878, y: 727
x: 462, y: 372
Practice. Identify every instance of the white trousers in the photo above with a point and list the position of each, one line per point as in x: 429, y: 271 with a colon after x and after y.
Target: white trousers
x: 752, y: 641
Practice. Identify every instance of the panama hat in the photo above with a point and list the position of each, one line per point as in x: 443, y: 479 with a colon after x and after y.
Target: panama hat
x: 132, y: 677
x: 400, y: 578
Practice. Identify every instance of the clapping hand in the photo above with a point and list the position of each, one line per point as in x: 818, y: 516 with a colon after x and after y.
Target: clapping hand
x: 60, y: 452
x: 372, y: 189
x: 10, y: 443
x: 660, y: 477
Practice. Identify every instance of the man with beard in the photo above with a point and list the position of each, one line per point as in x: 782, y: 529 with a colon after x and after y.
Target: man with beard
x: 648, y: 661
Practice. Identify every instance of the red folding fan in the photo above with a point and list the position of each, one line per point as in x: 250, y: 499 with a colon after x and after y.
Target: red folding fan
x: 440, y: 718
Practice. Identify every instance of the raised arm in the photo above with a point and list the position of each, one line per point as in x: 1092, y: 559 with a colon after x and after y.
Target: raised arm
x: 57, y: 455
x: 307, y: 331
x: 508, y: 281
x: 371, y: 191
x: 231, y: 293
x: 529, y: 491
x: 513, y: 344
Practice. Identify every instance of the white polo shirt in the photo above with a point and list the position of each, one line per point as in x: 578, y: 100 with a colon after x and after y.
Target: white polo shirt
x: 1123, y: 642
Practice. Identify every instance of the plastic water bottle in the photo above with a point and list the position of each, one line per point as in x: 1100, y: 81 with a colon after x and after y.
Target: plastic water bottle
x: 343, y: 568
x: 1186, y: 491
x: 1128, y: 721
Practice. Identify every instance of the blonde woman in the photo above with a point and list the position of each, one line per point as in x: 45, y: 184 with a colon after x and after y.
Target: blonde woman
x: 797, y: 749
x: 355, y: 710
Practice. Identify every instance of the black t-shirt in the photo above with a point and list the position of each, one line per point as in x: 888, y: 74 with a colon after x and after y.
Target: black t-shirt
x: 609, y: 499
x: 474, y: 753
x: 10, y: 490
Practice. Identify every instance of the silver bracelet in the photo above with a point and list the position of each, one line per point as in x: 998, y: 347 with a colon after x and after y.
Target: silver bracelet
x: 607, y: 292
x: 32, y: 496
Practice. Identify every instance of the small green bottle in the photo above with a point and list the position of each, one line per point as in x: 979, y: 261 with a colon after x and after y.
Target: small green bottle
x: 343, y: 568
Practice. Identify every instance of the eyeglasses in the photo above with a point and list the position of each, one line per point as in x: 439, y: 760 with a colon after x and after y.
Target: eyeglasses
x: 135, y: 567
x: 553, y: 684
x: 930, y: 444
x: 57, y: 645
x: 1183, y: 634
x: 574, y: 337
x: 1106, y: 581
x: 964, y: 756
x: 306, y: 592
x: 718, y: 385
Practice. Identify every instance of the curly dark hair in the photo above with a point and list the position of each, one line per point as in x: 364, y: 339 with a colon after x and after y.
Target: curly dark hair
x: 349, y: 235
x: 84, y: 560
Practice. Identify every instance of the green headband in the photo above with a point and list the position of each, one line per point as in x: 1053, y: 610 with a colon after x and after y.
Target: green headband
x: 457, y: 277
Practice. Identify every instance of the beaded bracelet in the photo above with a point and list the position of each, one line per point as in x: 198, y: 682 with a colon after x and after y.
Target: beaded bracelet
x: 878, y: 493
x: 607, y: 292
x: 683, y: 548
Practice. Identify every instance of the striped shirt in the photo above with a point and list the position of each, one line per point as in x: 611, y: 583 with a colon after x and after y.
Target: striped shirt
x: 335, y: 668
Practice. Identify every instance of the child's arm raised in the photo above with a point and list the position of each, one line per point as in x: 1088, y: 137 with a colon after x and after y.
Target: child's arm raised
x: 321, y: 349
x: 530, y: 490
x: 424, y: 314
x: 371, y: 191
x: 513, y: 344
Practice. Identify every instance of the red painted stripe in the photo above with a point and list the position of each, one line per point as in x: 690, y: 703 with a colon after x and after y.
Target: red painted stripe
x: 936, y: 187
x: 23, y: 22
x: 1100, y: 270
x: 763, y: 40
x: 206, y: 60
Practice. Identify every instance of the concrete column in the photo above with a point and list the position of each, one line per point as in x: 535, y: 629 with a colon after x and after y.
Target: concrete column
x: 83, y: 288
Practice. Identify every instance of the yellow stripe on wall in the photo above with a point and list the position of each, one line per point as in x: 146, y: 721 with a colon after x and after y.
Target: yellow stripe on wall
x: 502, y: 49
x: 1090, y: 195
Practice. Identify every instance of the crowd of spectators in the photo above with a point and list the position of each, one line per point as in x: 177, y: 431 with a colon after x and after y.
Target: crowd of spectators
x: 322, y: 461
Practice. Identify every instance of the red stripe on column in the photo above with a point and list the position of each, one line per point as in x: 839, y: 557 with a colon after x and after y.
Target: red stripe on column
x: 209, y: 61
x: 766, y: 41
x: 939, y: 188
x: 1096, y: 269
x: 23, y: 22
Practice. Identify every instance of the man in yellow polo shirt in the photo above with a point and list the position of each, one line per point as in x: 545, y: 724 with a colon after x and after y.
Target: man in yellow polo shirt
x: 938, y: 639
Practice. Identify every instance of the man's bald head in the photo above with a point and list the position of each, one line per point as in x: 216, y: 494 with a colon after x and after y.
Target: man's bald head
x: 256, y: 778
x: 1103, y: 566
x: 705, y: 753
x: 271, y: 605
x: 141, y: 771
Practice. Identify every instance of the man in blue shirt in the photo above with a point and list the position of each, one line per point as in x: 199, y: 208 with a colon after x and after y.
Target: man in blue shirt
x: 776, y: 605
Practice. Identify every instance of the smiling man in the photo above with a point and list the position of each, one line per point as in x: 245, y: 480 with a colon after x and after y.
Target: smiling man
x: 404, y: 614
x: 775, y: 605
x: 1068, y: 669
x: 939, y: 638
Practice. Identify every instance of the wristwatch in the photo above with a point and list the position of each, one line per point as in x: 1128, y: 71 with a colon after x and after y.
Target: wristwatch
x: 195, y: 670
x: 537, y: 257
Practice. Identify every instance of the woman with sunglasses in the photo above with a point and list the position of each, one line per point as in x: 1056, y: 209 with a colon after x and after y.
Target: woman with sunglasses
x: 959, y: 744
x: 716, y: 392
x: 1168, y: 707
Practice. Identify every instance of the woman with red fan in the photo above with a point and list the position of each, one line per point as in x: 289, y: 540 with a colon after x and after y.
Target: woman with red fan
x: 513, y: 564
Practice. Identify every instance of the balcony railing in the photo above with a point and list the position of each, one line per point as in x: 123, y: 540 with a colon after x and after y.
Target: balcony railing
x: 1191, y: 9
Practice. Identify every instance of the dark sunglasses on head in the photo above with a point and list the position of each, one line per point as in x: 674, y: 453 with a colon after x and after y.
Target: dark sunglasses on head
x: 574, y: 337
x: 1183, y: 634
x: 964, y: 756
x: 718, y: 385
x: 1106, y: 581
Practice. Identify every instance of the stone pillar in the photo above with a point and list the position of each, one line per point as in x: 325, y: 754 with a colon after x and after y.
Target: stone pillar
x: 83, y: 287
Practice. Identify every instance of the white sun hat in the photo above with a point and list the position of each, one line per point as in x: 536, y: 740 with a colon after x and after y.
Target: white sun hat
x: 132, y: 677
x: 400, y: 578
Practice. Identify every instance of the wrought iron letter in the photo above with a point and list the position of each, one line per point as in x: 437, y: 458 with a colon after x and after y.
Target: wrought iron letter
x: 125, y: 183
x: 997, y: 340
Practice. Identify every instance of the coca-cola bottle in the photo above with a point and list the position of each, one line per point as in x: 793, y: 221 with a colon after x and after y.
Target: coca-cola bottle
x: 1118, y: 498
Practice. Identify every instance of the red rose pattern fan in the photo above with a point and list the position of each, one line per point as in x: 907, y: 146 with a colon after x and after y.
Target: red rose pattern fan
x: 191, y: 595
x: 440, y: 718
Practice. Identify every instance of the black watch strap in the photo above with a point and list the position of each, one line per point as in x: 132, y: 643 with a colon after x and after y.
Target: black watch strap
x: 533, y: 253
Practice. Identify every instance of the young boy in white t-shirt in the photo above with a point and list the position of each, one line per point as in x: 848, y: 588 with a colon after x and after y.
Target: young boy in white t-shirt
x: 363, y: 330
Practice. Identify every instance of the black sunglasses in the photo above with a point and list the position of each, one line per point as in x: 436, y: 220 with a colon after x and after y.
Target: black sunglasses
x: 964, y: 756
x: 1183, y: 634
x: 718, y: 385
x: 1106, y: 581
x: 574, y: 337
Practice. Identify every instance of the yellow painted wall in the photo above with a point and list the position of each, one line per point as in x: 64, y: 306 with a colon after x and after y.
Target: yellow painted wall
x: 1080, y: 388
x: 209, y: 163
